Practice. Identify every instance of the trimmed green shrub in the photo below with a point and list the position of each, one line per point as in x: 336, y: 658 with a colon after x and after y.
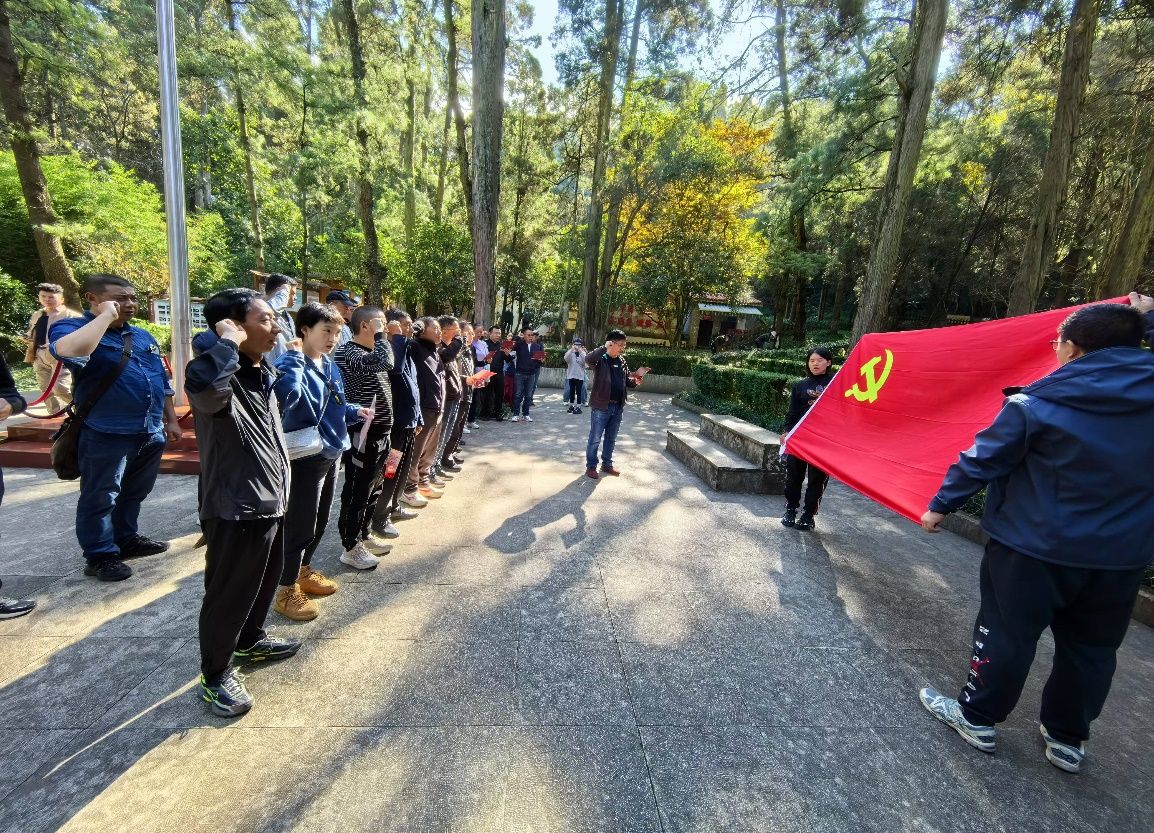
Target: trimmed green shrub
x: 662, y: 362
x: 161, y: 332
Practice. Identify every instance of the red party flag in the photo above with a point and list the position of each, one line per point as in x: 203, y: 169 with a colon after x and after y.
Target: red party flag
x: 904, y: 405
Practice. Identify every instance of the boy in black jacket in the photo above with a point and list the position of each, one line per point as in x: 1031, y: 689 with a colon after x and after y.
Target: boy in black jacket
x: 243, y: 491
x: 804, y: 394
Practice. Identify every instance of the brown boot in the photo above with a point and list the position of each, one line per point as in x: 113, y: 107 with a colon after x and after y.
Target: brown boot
x: 315, y: 583
x: 291, y: 603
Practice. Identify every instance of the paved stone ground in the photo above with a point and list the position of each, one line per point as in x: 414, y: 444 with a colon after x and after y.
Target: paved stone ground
x: 545, y: 653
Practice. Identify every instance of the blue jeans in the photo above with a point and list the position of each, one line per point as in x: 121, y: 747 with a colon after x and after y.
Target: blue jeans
x: 117, y: 472
x: 524, y: 393
x: 602, y: 423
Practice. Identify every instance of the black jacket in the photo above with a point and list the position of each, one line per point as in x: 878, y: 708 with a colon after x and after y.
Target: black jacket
x: 803, y: 395
x: 244, y: 465
x: 430, y: 374
x: 8, y: 389
x: 448, y: 353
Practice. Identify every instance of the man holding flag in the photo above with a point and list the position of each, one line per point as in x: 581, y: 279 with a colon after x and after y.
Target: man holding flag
x: 1067, y: 466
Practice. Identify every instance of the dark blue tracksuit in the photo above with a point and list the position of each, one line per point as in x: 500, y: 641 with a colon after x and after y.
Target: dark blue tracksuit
x: 1068, y: 465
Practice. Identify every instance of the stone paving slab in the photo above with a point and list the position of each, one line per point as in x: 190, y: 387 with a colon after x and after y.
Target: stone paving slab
x: 542, y: 652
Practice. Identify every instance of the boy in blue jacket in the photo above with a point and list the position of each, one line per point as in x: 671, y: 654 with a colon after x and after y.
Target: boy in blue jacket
x: 1066, y: 465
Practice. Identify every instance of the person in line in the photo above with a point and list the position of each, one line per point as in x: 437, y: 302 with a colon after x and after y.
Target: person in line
x: 1145, y: 305
x: 495, y: 357
x: 425, y: 350
x: 805, y: 392
x: 528, y: 355
x: 450, y: 459
x: 243, y: 492
x: 365, y: 363
x: 451, y: 348
x: 311, y: 394
x: 480, y: 349
x: 280, y: 291
x: 52, y: 309
x: 123, y: 438
x: 574, y: 375
x: 1066, y: 466
x: 607, y: 398
x: 11, y: 404
x: 407, y: 423
x: 345, y: 304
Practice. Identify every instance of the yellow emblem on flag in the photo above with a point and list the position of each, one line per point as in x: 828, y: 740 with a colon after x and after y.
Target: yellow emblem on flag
x: 873, y: 383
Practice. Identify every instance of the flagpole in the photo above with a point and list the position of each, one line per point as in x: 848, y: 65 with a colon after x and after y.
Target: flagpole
x: 180, y: 315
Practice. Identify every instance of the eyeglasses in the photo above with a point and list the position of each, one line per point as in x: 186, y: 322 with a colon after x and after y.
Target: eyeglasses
x: 1056, y: 342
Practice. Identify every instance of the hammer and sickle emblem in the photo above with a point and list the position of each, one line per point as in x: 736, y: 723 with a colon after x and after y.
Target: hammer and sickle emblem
x: 873, y: 383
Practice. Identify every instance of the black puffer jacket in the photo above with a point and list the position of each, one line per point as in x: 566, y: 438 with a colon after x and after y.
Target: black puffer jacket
x: 430, y: 374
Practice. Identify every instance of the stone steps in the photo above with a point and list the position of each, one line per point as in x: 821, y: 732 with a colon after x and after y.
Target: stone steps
x: 730, y: 455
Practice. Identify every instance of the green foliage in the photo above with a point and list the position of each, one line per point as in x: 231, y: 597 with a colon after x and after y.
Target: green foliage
x: 161, y: 332
x: 211, y: 264
x: 662, y: 362
x: 438, y: 268
x: 16, y: 306
x: 758, y: 392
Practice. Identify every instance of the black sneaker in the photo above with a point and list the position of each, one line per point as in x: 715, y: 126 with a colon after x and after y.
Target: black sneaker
x: 271, y: 647
x: 108, y: 569
x: 789, y: 517
x: 577, y: 410
x: 140, y: 546
x: 804, y: 522
x: 227, y: 695
x: 450, y: 467
x: 13, y: 608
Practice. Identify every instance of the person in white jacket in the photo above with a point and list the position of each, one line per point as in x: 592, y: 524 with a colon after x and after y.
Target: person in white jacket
x: 574, y: 375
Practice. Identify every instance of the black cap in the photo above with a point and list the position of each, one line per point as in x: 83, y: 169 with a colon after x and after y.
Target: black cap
x: 340, y: 296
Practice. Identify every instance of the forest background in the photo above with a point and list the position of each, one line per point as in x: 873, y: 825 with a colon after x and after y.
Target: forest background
x: 853, y: 166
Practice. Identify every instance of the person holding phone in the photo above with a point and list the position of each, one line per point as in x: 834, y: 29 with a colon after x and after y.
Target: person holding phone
x: 607, y: 398
x: 244, y: 483
x: 311, y: 393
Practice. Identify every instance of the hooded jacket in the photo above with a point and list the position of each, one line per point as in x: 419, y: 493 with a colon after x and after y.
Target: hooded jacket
x: 244, y: 465
x: 1068, y: 465
x: 310, y: 396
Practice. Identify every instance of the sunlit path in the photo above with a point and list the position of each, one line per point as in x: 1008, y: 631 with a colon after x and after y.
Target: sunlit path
x: 544, y: 653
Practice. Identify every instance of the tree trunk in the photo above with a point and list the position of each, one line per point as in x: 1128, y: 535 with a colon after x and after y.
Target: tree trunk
x: 375, y: 287
x: 590, y: 313
x: 489, y: 45
x: 617, y: 195
x: 1039, y: 251
x: 27, y: 155
x: 453, y: 96
x: 443, y: 166
x: 1125, y: 260
x: 246, y: 149
x: 927, y: 30
x: 843, y: 284
x: 409, y: 146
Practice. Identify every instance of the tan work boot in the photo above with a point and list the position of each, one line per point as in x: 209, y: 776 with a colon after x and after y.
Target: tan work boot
x: 291, y: 603
x: 315, y: 583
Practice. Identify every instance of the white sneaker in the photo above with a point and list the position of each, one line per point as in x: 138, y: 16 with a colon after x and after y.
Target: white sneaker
x: 527, y: 418
x: 473, y: 425
x: 516, y: 419
x: 360, y: 557
x: 467, y: 430
x: 377, y: 545
x: 415, y: 500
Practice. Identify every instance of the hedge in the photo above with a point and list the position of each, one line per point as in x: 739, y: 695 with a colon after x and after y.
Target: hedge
x: 757, y: 391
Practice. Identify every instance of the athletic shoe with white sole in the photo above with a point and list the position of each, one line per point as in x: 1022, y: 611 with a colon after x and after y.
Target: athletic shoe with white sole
x: 415, y: 500
x: 403, y: 514
x: 360, y: 558
x: 1062, y: 755
x: 377, y: 546
x: 949, y: 711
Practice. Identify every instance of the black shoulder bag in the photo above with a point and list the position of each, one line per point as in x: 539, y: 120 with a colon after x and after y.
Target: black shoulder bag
x: 65, y: 451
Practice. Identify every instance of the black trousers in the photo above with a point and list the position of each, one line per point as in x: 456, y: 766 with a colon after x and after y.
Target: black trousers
x: 390, y: 499
x: 573, y: 391
x: 310, y: 499
x: 1088, y: 612
x: 363, y: 485
x: 475, y: 404
x: 494, y: 394
x: 241, y: 566
x: 795, y: 474
x: 450, y: 446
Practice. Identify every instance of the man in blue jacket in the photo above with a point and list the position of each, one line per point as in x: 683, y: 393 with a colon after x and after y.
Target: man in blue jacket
x: 1066, y: 465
